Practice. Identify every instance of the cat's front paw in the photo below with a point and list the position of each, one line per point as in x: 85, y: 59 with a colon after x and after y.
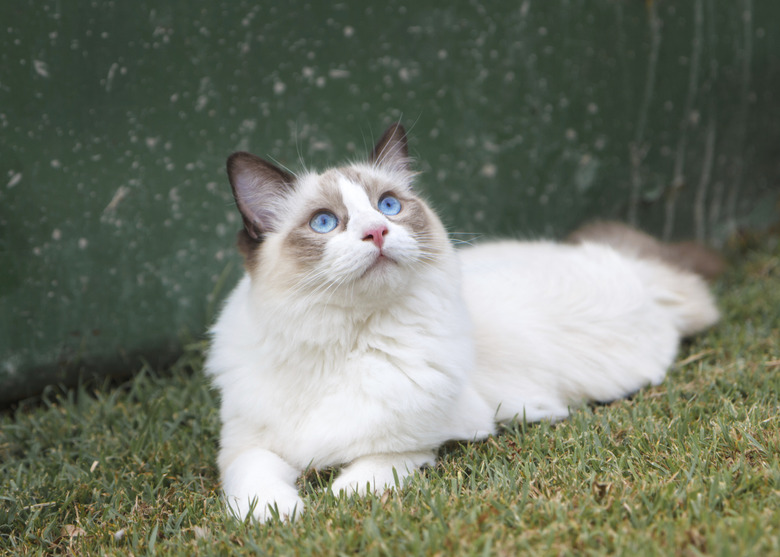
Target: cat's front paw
x: 285, y: 507
x: 260, y: 484
x: 377, y: 473
x: 349, y: 484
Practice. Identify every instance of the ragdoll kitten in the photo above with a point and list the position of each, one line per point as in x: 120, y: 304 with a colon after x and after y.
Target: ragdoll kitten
x: 360, y: 338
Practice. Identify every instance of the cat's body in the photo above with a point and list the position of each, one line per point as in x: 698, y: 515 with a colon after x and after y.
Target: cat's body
x: 352, y: 340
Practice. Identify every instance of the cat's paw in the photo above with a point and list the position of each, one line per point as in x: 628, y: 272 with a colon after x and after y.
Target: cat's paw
x: 360, y: 484
x: 377, y: 473
x: 261, y: 485
x: 286, y: 507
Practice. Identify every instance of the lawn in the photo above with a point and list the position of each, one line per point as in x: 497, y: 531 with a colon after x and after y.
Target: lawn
x: 687, y: 468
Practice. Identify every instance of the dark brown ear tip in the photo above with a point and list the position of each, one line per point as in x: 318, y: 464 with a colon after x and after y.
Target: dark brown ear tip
x: 397, y: 132
x: 233, y: 159
x: 397, y: 127
x: 392, y: 146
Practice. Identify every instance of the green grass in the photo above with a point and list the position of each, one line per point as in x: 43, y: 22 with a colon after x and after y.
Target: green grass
x: 686, y: 468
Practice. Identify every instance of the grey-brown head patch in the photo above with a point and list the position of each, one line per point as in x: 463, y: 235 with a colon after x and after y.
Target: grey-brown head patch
x: 275, y: 202
x: 304, y: 244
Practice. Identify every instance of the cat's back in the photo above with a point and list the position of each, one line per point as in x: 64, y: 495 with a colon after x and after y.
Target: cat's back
x: 548, y: 274
x: 549, y: 319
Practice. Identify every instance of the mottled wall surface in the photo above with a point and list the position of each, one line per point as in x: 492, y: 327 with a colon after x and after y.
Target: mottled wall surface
x: 116, y: 221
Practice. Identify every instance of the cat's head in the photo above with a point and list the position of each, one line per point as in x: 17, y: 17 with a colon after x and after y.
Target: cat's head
x: 354, y: 230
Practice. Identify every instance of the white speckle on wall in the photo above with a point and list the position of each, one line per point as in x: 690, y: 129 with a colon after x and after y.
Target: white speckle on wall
x: 11, y: 366
x: 110, y: 77
x: 201, y: 103
x: 41, y: 68
x: 119, y: 195
x: 585, y: 175
x: 489, y: 170
x: 15, y: 178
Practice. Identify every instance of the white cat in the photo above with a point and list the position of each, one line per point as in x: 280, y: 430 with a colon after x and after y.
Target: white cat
x: 360, y: 338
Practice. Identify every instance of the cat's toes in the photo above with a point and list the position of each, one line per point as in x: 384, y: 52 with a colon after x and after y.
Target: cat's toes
x: 285, y: 508
x: 348, y: 487
x: 360, y: 484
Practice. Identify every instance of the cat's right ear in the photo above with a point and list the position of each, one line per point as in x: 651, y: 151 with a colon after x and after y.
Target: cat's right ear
x: 392, y: 150
x: 258, y: 186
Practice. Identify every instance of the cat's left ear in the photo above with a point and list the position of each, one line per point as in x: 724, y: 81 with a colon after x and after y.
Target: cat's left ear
x: 391, y: 150
x: 258, y: 187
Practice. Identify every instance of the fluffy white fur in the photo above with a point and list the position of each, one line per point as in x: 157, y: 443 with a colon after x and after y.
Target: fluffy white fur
x: 556, y: 325
x: 372, y: 363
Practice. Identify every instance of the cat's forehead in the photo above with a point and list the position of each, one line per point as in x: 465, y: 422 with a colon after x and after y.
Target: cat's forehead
x: 371, y: 181
x: 350, y: 185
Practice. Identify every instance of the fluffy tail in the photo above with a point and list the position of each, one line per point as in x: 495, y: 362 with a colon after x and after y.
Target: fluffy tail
x: 675, y: 273
x: 688, y: 256
x: 685, y: 294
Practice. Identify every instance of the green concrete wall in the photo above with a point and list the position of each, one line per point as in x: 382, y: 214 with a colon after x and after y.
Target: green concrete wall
x: 116, y: 221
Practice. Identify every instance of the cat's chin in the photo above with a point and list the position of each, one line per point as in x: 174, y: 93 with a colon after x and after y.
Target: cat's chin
x: 379, y: 265
x: 383, y: 274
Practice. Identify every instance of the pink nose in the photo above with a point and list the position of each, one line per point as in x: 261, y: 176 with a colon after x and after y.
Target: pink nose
x: 376, y: 235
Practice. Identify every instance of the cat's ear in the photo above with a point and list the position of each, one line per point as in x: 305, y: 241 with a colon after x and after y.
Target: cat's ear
x: 258, y: 186
x: 391, y: 150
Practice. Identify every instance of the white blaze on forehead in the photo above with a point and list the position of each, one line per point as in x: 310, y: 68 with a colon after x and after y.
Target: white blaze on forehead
x: 362, y: 213
x: 354, y: 196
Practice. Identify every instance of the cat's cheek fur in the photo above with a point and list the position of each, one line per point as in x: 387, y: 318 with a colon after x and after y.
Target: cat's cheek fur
x: 348, y: 260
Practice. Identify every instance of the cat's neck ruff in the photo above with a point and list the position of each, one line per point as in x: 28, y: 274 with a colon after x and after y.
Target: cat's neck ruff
x: 336, y: 318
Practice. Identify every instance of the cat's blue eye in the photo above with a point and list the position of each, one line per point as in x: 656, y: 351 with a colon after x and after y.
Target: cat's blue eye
x: 323, y: 222
x: 389, y: 205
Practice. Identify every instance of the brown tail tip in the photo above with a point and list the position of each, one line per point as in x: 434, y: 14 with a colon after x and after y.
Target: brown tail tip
x: 689, y: 256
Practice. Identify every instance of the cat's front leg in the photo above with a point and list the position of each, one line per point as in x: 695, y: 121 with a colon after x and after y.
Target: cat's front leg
x: 378, y: 472
x: 258, y: 481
